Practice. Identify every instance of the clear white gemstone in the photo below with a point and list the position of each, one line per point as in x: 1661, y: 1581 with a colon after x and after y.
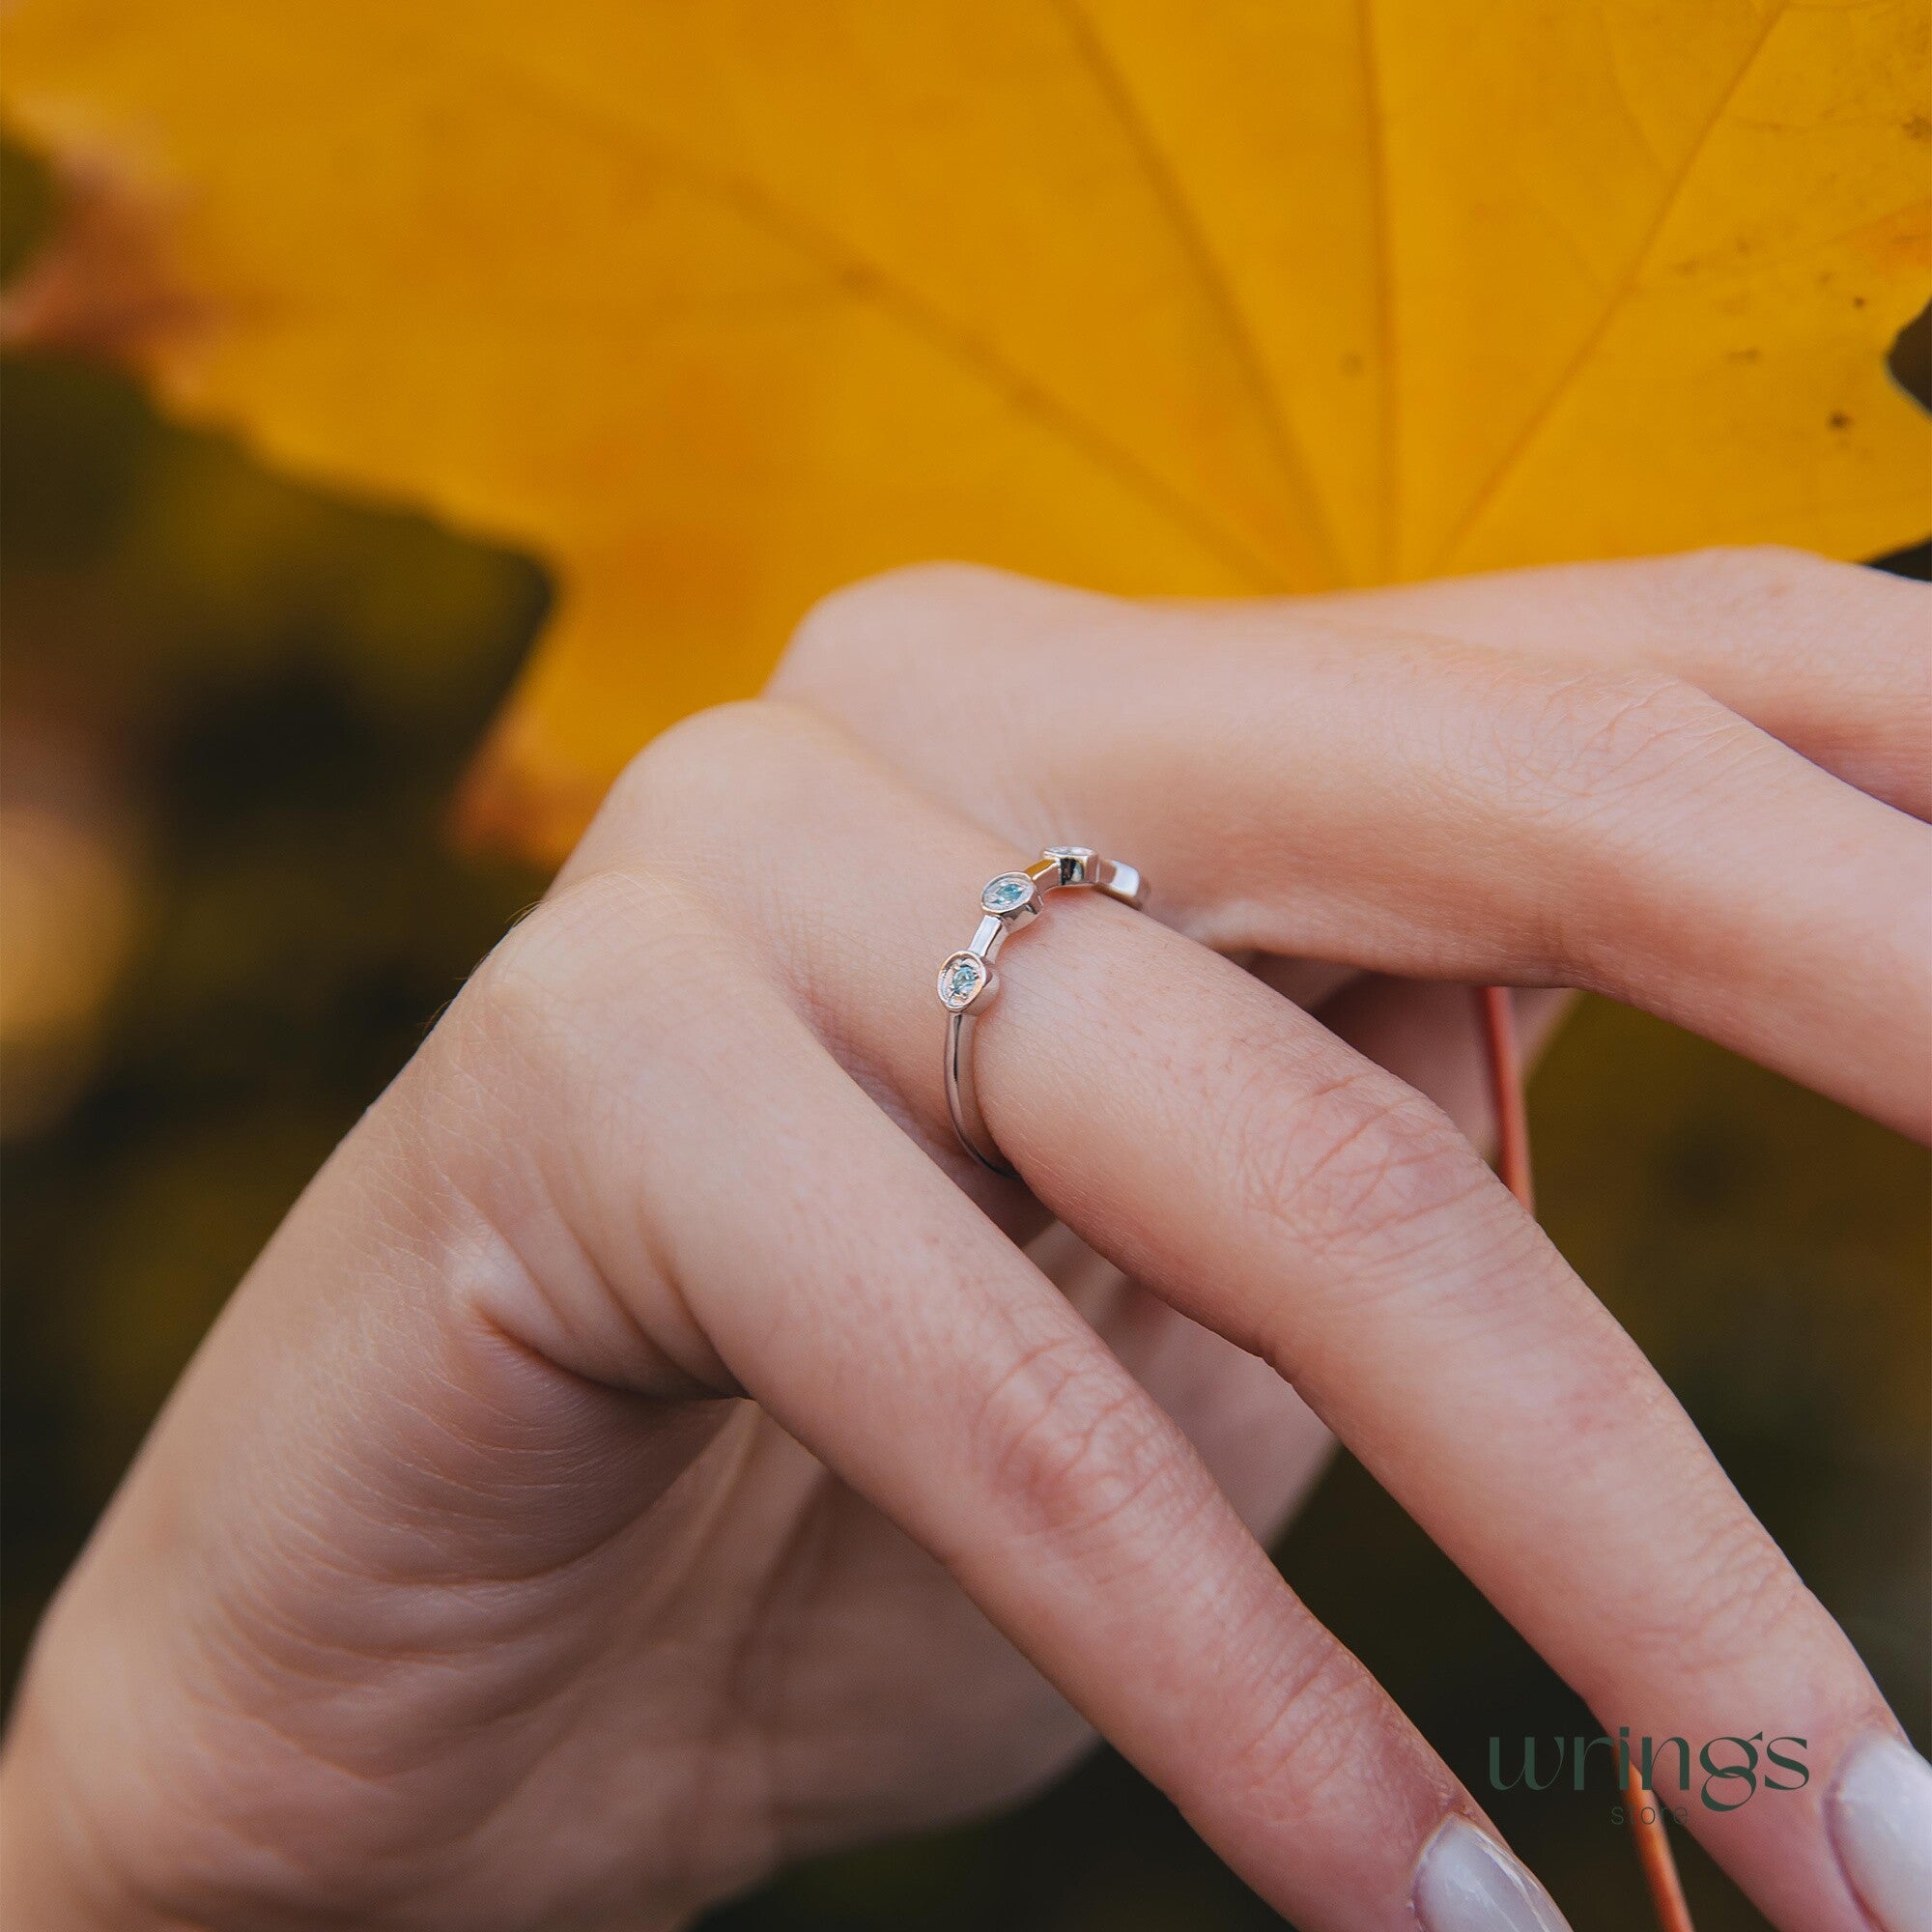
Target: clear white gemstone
x: 1078, y: 863
x: 1008, y: 893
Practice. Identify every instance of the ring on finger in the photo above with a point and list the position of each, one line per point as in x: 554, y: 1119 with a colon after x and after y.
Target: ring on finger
x: 967, y: 980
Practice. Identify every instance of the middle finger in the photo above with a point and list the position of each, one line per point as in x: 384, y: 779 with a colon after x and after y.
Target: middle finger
x: 1429, y: 807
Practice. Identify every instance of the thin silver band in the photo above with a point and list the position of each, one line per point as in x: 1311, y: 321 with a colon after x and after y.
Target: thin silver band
x: 967, y: 981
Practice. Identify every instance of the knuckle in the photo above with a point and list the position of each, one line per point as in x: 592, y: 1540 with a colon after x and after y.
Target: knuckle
x: 544, y: 988
x: 1793, y: 599
x: 1072, y: 1444
x: 1607, y: 1394
x: 1732, y: 1601
x: 554, y: 1099
x: 1574, y: 745
x: 1315, y: 1723
x: 1609, y: 773
x: 876, y: 617
x: 1600, y: 781
x: 1814, y: 621
x: 1730, y: 578
x: 695, y: 769
x: 1362, y: 1163
x: 896, y: 625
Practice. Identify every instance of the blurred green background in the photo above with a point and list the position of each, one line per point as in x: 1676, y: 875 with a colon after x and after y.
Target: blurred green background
x: 235, y: 713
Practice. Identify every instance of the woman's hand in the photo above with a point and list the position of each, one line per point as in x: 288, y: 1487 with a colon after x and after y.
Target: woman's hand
x: 644, y: 1455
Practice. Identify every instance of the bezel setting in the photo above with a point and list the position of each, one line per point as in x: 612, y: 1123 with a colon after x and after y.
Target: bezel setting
x: 1011, y: 896
x: 963, y: 979
x: 1008, y: 900
x: 1079, y: 865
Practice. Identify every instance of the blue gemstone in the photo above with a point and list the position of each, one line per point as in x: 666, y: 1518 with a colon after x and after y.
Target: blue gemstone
x: 961, y: 979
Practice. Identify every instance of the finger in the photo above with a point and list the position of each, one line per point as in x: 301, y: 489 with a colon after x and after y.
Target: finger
x: 1834, y: 659
x: 803, y: 1250
x: 1264, y: 1447
x: 1263, y: 1444
x: 1430, y: 1036
x: 1226, y: 1150
x: 1318, y: 1215
x: 1425, y: 808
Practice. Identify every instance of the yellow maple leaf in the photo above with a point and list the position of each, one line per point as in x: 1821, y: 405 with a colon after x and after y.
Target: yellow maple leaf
x: 718, y: 305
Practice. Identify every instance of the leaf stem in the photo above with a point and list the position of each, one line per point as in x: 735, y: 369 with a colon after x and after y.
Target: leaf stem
x: 1512, y: 1165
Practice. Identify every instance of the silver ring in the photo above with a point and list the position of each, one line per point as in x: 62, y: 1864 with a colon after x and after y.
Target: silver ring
x: 967, y: 980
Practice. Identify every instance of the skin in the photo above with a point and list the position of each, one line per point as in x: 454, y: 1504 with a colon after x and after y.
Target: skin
x: 649, y: 1452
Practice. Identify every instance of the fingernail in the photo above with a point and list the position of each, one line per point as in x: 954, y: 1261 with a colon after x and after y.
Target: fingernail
x: 1880, y: 1823
x: 1465, y: 1881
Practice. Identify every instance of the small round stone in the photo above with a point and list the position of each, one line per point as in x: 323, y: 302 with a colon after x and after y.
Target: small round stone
x: 1008, y: 893
x: 1079, y: 865
x: 962, y: 981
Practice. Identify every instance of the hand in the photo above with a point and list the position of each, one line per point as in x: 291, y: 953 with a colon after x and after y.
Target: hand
x: 647, y: 1455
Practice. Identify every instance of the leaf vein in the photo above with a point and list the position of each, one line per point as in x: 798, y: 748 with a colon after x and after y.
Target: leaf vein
x: 1192, y: 237
x: 1616, y: 297
x: 865, y: 279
